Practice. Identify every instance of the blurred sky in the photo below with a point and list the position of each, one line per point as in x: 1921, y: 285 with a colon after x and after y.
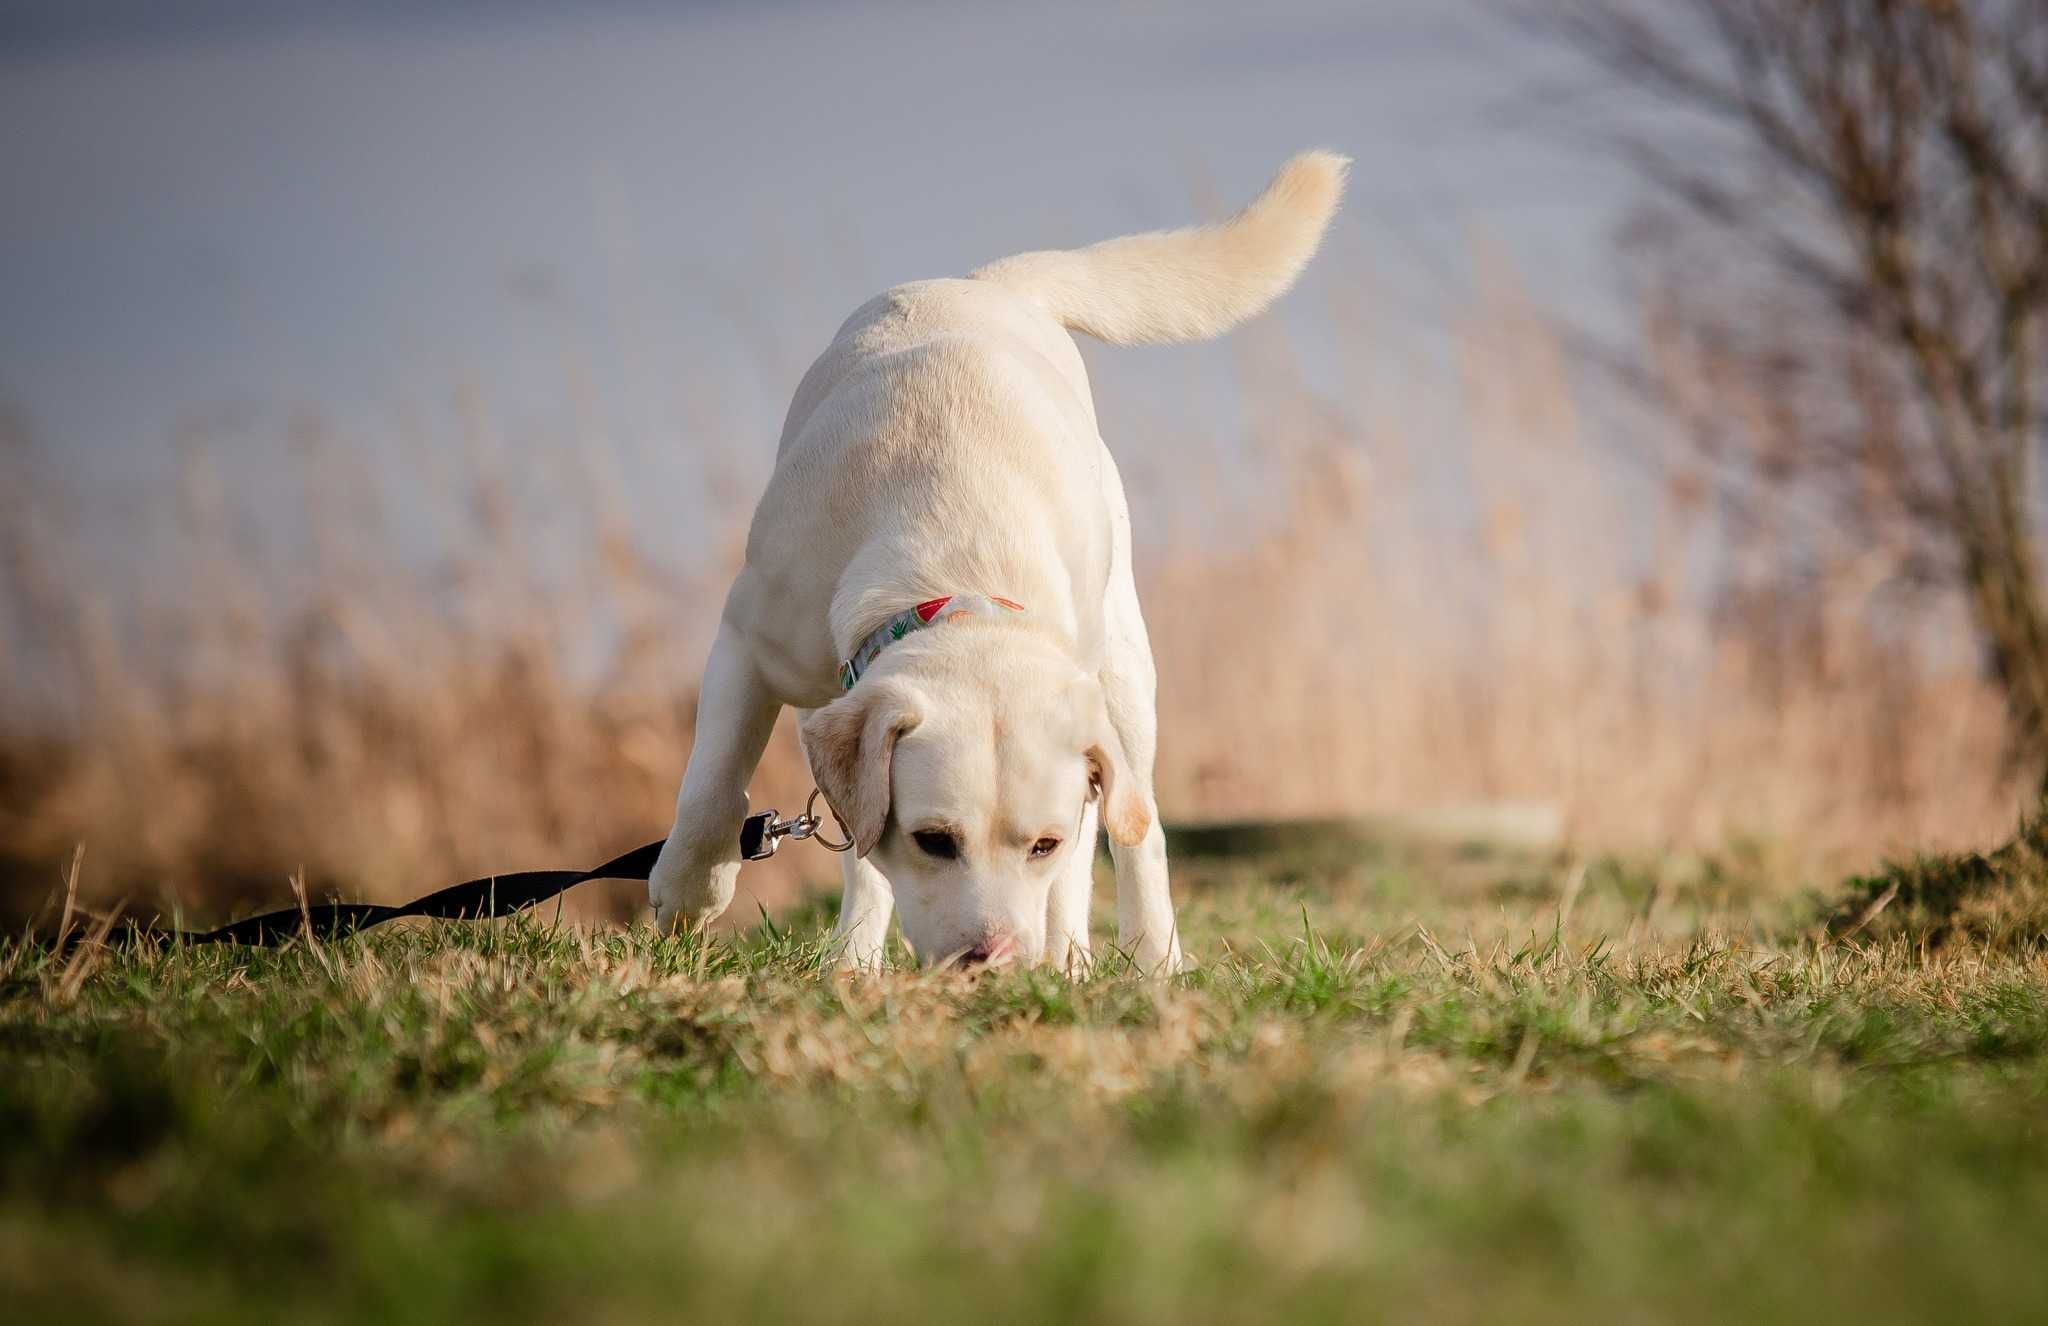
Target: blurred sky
x: 222, y: 209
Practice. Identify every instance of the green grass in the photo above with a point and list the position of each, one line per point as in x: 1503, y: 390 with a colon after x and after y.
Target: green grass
x: 1456, y: 1089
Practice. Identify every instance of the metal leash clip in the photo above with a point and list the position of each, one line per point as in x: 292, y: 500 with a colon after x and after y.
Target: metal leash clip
x: 761, y: 834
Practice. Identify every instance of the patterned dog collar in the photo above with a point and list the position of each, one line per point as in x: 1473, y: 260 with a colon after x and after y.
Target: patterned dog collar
x: 916, y: 619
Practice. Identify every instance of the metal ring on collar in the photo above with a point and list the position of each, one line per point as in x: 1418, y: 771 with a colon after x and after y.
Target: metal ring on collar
x: 811, y: 814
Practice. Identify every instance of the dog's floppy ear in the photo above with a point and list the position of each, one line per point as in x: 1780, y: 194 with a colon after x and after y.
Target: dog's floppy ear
x: 1126, y: 807
x: 1124, y: 813
x: 850, y: 744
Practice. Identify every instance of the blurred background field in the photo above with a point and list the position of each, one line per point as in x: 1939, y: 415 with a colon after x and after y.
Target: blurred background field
x: 386, y: 398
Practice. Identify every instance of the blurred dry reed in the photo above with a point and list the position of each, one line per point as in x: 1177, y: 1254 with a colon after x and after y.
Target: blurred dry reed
x: 1579, y: 633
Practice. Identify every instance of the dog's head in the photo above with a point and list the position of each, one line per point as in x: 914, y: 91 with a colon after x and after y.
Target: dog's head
x: 962, y: 762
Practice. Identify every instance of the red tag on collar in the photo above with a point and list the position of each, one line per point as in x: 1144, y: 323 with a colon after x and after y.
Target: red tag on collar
x: 930, y: 608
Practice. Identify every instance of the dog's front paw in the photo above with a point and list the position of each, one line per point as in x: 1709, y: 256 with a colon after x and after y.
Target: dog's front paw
x: 1158, y: 960
x: 855, y: 954
x: 689, y: 894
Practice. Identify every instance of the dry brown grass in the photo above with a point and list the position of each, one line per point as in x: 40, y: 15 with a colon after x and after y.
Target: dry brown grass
x: 1600, y: 639
x: 1611, y: 641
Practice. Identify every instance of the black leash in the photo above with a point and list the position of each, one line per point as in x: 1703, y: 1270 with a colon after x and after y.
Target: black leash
x: 471, y: 900
x: 475, y: 899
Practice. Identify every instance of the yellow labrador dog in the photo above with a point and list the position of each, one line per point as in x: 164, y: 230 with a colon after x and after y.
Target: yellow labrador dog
x: 939, y: 579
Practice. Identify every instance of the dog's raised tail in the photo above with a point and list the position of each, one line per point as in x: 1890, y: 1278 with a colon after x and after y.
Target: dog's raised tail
x: 1191, y: 284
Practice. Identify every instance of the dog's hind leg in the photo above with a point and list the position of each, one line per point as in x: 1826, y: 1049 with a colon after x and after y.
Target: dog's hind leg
x: 865, y: 906
x: 694, y: 878
x: 1066, y: 912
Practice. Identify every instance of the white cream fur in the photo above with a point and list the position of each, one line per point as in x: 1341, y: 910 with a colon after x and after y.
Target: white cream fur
x: 946, y: 442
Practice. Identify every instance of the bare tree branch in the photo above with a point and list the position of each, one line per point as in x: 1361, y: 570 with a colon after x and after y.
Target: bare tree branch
x: 1885, y: 165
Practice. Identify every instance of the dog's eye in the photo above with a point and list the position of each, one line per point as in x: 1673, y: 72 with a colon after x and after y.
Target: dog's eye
x: 937, y: 842
x: 1044, y: 847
